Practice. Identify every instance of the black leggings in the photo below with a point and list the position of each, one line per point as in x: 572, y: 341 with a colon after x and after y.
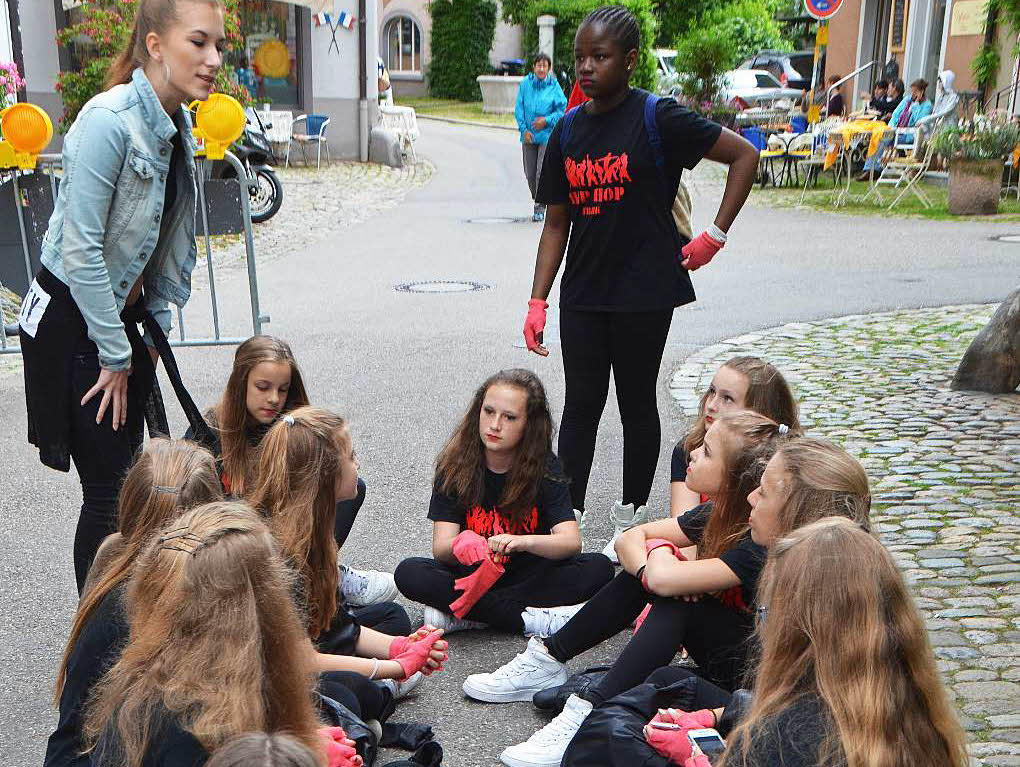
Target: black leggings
x: 551, y: 583
x: 706, y: 694
x: 714, y: 635
x: 630, y: 344
x: 346, y: 513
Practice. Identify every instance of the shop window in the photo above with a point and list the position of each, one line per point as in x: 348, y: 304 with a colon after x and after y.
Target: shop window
x: 267, y: 61
x: 402, y: 46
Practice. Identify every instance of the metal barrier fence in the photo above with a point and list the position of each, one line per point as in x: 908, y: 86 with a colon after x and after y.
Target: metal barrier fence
x: 223, y: 206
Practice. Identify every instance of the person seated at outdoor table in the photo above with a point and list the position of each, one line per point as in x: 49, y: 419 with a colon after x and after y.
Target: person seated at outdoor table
x: 876, y: 102
x: 893, y: 97
x: 946, y: 103
x: 835, y: 106
x: 907, y: 115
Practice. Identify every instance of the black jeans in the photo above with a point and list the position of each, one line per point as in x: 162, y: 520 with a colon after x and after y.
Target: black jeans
x: 365, y: 698
x: 706, y: 694
x: 551, y: 584
x: 346, y: 513
x: 714, y: 635
x: 384, y: 617
x: 630, y: 344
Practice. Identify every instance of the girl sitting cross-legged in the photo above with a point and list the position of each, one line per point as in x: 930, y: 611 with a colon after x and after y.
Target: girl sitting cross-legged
x: 505, y: 542
x: 714, y: 628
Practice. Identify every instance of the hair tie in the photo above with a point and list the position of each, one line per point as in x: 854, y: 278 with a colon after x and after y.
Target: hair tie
x: 166, y: 489
x: 783, y: 429
x: 287, y: 419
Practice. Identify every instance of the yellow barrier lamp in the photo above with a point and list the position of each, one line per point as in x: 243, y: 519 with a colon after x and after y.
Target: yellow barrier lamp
x: 27, y: 130
x: 219, y: 122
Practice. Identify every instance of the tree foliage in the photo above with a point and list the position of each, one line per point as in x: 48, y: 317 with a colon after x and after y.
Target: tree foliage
x: 569, y: 15
x: 462, y: 33
x: 749, y: 24
x: 703, y: 55
x: 103, y: 30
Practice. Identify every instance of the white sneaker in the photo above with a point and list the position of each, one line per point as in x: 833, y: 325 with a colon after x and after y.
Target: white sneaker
x: 532, y: 670
x: 403, y: 687
x: 546, y: 747
x: 546, y: 621
x: 366, y: 587
x: 582, y: 520
x: 449, y: 623
x: 624, y: 518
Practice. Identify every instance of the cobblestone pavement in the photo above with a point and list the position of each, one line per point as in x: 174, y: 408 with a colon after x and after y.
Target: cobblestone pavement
x: 318, y: 203
x: 944, y: 468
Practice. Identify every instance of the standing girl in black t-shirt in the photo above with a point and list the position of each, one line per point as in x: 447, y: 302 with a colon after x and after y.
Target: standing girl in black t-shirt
x: 216, y: 647
x: 740, y: 383
x: 168, y: 478
x: 501, y: 512
x: 627, y: 266
x: 265, y: 382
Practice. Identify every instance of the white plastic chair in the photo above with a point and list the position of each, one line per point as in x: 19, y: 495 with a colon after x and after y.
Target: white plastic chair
x: 315, y: 133
x: 404, y: 124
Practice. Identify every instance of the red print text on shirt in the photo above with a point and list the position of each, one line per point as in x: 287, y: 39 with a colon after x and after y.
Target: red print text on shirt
x: 484, y: 522
x: 597, y: 182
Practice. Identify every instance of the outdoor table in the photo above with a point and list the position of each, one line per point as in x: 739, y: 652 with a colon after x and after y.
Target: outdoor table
x: 844, y: 138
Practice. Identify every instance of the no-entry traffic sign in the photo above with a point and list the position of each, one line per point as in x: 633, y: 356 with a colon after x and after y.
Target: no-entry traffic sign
x: 822, y: 9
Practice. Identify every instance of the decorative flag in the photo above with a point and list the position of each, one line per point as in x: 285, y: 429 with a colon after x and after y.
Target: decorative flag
x: 320, y: 19
x: 345, y: 20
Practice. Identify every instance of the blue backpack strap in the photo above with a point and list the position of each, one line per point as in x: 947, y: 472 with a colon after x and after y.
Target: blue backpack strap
x: 566, y: 122
x: 652, y: 129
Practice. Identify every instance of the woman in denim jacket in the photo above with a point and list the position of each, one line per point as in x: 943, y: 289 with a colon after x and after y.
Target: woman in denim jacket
x: 120, y: 246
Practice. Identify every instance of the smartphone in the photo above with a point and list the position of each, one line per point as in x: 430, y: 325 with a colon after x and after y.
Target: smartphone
x: 707, y: 740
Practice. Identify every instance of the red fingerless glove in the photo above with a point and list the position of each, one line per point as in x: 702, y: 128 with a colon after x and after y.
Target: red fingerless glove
x: 398, y: 646
x: 474, y: 586
x: 652, y: 544
x: 698, y: 760
x: 641, y: 618
x: 340, y: 750
x: 699, y: 251
x: 534, y: 323
x: 673, y: 744
x: 469, y: 548
x: 688, y: 720
x: 416, y: 653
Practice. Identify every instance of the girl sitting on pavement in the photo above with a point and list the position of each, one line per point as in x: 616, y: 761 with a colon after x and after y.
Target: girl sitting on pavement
x: 807, y: 479
x: 503, y: 529
x: 265, y: 382
x: 216, y: 647
x: 867, y: 697
x: 168, y: 478
x: 306, y: 465
x: 714, y: 628
x: 740, y: 383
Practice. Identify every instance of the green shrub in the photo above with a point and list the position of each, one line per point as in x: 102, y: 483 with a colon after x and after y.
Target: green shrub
x: 703, y: 56
x: 676, y: 17
x: 749, y: 24
x: 462, y: 32
x: 106, y: 26
x: 569, y: 14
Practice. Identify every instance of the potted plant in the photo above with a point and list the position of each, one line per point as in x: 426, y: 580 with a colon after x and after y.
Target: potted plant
x: 976, y: 149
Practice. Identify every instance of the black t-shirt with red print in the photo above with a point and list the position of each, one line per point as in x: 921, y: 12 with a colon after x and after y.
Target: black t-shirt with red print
x: 745, y: 558
x: 623, y: 250
x: 552, y: 506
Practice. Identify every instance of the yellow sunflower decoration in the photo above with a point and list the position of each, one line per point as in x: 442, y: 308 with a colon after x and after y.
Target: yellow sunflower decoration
x: 272, y: 59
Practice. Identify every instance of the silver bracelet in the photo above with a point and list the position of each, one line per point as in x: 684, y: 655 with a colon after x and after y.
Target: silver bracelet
x: 716, y: 233
x: 375, y: 668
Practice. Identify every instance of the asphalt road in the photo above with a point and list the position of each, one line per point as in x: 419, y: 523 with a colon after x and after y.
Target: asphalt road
x: 402, y: 366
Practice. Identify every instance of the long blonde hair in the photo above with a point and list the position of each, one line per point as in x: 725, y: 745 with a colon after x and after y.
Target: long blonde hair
x: 152, y: 16
x: 169, y: 476
x: 841, y: 625
x: 298, y: 468
x: 230, y: 415
x: 215, y: 642
x: 768, y: 394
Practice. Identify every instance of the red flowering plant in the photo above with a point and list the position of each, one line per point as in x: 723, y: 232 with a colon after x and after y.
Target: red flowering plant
x: 100, y: 31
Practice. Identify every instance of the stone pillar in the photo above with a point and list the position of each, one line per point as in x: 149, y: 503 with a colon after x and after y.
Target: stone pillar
x: 546, y: 35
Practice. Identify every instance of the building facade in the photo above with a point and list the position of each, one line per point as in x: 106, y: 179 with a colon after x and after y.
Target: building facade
x: 917, y: 39
x: 285, y: 59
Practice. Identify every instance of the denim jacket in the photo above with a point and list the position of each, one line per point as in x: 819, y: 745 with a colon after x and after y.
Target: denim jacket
x: 108, y: 224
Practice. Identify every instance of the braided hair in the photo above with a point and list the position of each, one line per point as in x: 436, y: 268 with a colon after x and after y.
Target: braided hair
x: 619, y: 23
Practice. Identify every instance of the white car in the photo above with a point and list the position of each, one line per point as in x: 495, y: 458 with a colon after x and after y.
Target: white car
x: 666, y: 76
x: 756, y: 87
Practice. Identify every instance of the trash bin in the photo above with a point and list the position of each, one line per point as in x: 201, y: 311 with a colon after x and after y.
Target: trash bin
x: 513, y: 67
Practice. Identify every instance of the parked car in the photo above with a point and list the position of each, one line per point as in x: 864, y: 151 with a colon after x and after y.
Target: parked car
x: 792, y: 70
x: 666, y: 76
x: 755, y: 87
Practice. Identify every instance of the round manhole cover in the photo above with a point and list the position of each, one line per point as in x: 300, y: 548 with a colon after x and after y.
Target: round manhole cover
x: 441, y: 286
x: 499, y: 220
x: 1007, y: 237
